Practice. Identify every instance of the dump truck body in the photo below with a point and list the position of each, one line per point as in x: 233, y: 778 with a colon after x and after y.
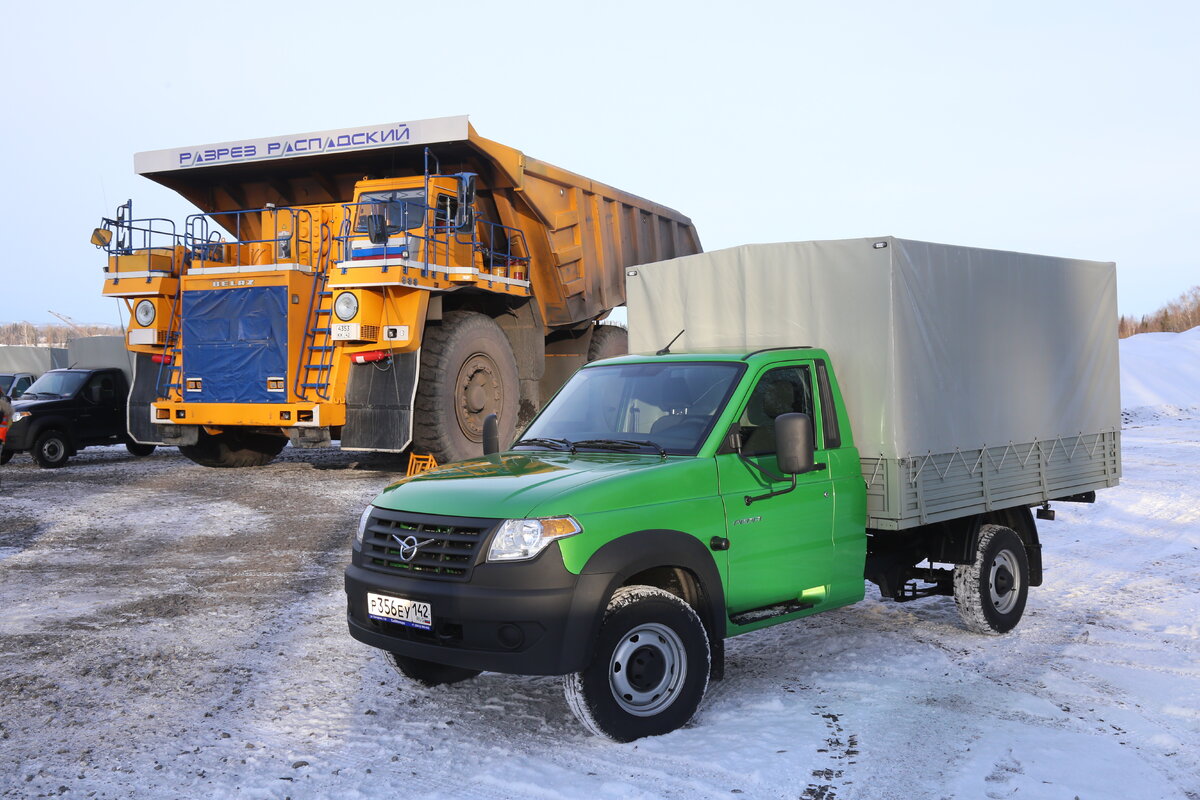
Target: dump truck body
x: 321, y: 261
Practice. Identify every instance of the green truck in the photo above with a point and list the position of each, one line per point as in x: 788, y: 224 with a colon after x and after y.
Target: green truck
x: 797, y: 419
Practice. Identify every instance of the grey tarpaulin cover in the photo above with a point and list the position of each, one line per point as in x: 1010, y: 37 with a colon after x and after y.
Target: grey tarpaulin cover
x: 936, y: 347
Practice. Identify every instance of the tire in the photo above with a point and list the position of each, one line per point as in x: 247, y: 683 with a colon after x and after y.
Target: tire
x: 233, y: 449
x: 650, y: 669
x: 991, y: 592
x: 467, y: 372
x: 608, y: 341
x: 6, y: 456
x: 140, y: 450
x: 427, y: 673
x: 51, y: 449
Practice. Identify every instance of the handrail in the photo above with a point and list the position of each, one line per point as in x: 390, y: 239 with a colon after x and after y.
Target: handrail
x: 205, y: 243
x: 502, y: 247
x: 144, y: 236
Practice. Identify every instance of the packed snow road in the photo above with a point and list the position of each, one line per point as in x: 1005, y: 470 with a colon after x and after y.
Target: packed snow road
x: 175, y: 631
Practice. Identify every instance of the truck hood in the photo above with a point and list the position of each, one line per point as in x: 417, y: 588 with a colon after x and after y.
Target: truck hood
x: 42, y: 404
x: 517, y: 485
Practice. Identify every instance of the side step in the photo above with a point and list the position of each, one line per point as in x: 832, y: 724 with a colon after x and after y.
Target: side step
x: 769, y: 612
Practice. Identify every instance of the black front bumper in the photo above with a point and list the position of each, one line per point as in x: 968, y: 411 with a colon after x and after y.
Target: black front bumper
x: 20, y: 436
x: 527, y: 618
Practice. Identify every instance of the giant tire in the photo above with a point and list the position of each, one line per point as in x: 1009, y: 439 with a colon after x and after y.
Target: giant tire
x: 233, y: 449
x: 467, y: 372
x: 608, y: 341
x: 427, y: 673
x: 650, y: 669
x: 138, y: 449
x: 991, y: 592
x: 51, y: 449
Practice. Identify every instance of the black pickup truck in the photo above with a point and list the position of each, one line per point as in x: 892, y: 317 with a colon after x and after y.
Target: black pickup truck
x: 67, y: 410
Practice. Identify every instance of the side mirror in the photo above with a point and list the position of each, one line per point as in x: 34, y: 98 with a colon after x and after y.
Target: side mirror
x: 376, y: 228
x: 466, y: 200
x: 491, y: 434
x: 794, y: 447
x: 101, y: 237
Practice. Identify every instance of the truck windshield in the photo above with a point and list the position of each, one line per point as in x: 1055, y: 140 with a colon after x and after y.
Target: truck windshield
x: 6, y: 382
x: 671, y: 406
x: 402, y: 209
x: 57, y: 384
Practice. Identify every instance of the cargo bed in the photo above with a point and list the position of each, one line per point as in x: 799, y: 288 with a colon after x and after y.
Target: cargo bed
x: 975, y: 380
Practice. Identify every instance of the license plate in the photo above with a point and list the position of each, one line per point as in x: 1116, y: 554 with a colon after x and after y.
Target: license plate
x: 346, y: 331
x: 412, y: 613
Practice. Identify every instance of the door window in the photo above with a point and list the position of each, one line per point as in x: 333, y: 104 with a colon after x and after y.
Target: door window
x: 784, y: 390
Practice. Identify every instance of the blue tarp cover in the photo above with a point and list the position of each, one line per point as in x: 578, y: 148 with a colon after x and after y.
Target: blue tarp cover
x: 233, y: 340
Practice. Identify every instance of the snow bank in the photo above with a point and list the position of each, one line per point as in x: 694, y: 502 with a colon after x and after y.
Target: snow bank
x: 1160, y: 372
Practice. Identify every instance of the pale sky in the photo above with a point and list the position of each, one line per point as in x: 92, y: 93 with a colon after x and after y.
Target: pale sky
x: 1062, y: 128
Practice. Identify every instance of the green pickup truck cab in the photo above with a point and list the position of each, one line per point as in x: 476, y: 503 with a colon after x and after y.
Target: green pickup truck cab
x: 663, y: 502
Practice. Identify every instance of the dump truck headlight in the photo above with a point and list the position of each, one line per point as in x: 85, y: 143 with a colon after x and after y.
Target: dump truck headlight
x: 523, y: 539
x: 346, y: 306
x: 144, y: 313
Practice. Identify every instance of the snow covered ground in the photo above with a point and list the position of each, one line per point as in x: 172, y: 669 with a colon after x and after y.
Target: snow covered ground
x: 172, y: 631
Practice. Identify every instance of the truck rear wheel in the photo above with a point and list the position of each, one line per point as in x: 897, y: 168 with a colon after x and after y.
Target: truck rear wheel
x: 467, y: 372
x: 51, y: 449
x: 650, y: 668
x: 991, y: 592
x: 233, y: 449
x: 427, y: 673
x: 608, y: 341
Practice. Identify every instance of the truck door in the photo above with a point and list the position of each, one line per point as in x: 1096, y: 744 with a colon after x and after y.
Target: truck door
x: 780, y: 548
x: 102, y: 401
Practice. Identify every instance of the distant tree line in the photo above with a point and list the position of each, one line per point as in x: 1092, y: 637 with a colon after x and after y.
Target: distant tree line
x: 1181, y: 314
x: 51, y: 335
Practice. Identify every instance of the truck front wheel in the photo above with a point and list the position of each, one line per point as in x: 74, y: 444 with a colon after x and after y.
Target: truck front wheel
x: 467, y: 372
x: 51, y: 449
x: 427, y: 673
x: 138, y: 449
x: 990, y: 592
x: 650, y: 668
x: 233, y: 449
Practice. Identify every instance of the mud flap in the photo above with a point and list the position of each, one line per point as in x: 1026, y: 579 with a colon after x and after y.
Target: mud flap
x: 146, y: 377
x: 379, y: 404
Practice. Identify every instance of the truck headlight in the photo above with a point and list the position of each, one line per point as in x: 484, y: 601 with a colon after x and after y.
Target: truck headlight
x: 522, y: 539
x: 20, y: 415
x: 362, y: 524
x: 345, y: 306
x: 144, y: 313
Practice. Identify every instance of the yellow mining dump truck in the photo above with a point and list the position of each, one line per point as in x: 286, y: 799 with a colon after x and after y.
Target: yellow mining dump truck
x: 388, y: 286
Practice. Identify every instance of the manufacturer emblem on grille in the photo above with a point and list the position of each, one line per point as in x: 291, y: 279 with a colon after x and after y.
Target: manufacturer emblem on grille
x: 409, y: 546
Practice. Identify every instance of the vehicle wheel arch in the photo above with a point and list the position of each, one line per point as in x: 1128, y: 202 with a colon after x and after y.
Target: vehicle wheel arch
x: 55, y: 423
x: 671, y: 560
x: 1020, y: 521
